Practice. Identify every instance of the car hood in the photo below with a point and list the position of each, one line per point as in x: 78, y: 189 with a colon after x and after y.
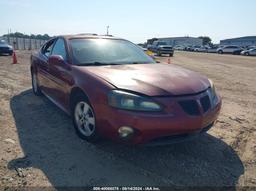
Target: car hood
x: 152, y: 79
x: 5, y: 46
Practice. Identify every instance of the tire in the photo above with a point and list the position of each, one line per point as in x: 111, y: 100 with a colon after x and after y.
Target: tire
x: 10, y: 54
x: 171, y: 55
x: 35, y: 87
x: 159, y: 53
x: 220, y: 52
x: 84, y: 119
x: 247, y: 54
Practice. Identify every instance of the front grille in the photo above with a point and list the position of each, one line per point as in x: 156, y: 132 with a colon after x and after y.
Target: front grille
x: 205, y: 102
x: 4, y: 48
x: 190, y: 107
x: 166, y: 48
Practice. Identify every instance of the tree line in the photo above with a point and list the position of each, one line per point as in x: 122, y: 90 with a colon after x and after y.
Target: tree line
x: 33, y: 36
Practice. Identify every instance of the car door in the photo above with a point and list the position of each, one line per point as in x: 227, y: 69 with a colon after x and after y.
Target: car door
x: 227, y: 49
x: 43, y: 67
x: 60, y: 74
x: 233, y: 49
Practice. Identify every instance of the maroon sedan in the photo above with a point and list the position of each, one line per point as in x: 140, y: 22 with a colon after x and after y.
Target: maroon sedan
x: 112, y: 89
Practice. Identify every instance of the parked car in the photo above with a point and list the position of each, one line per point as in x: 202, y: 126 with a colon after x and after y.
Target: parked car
x: 230, y: 50
x: 195, y: 48
x: 251, y: 52
x: 161, y: 47
x: 188, y: 48
x: 112, y: 89
x: 179, y: 47
x: 212, y: 49
x: 5, y: 48
x: 201, y: 49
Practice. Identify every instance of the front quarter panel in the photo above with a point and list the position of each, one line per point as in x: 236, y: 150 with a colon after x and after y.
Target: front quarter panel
x: 95, y: 88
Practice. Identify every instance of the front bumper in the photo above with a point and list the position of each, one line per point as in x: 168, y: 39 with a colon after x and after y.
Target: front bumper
x: 162, y: 51
x: 179, y: 138
x: 152, y: 126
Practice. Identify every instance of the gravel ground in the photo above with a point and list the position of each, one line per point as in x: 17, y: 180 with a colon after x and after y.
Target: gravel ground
x: 39, y: 146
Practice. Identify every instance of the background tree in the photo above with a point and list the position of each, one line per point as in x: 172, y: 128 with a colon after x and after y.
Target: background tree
x: 206, y: 40
x: 33, y: 36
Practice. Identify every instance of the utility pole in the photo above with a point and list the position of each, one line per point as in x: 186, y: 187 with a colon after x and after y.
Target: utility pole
x: 107, y: 30
x: 8, y: 36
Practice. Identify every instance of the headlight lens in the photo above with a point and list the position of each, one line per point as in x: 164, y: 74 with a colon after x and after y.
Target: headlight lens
x: 213, y: 92
x: 129, y: 101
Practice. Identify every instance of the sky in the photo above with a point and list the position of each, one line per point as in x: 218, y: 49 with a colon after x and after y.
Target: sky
x: 135, y: 20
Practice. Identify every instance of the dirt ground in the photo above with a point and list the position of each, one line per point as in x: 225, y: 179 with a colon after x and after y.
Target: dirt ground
x: 40, y: 148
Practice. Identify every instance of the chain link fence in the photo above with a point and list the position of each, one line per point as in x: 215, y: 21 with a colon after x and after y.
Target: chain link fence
x: 24, y: 43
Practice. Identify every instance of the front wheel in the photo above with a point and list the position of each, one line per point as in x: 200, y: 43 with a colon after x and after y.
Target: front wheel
x: 84, y: 119
x: 35, y: 87
x: 220, y: 52
x: 247, y: 54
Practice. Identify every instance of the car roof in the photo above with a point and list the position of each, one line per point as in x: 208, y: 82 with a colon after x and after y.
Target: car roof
x: 89, y: 36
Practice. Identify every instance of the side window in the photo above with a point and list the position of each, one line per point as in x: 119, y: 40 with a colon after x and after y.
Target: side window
x: 47, y: 48
x: 59, y: 49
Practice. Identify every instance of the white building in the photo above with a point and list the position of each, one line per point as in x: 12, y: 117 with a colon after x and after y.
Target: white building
x: 242, y: 41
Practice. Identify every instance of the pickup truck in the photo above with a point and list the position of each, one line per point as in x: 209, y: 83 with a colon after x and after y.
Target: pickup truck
x: 160, y: 47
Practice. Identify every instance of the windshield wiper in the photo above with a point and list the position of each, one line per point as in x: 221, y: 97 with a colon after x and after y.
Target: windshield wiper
x: 108, y: 64
x: 139, y: 63
x: 96, y: 64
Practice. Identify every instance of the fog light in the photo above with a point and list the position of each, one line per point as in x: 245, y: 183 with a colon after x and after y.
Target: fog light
x: 125, y: 132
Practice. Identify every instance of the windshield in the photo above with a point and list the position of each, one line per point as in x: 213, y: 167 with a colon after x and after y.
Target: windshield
x: 2, y: 42
x: 107, y: 51
x: 162, y: 43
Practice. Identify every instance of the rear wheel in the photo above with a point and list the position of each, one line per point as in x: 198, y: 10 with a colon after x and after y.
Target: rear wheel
x: 35, y: 87
x: 220, y: 52
x: 84, y: 119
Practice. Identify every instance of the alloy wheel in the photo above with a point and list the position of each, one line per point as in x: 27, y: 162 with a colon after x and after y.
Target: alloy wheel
x: 84, y: 118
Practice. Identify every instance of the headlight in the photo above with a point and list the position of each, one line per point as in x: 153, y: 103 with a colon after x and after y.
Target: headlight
x: 129, y: 101
x: 213, y: 92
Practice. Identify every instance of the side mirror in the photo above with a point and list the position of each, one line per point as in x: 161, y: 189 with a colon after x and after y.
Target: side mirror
x: 56, y: 60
